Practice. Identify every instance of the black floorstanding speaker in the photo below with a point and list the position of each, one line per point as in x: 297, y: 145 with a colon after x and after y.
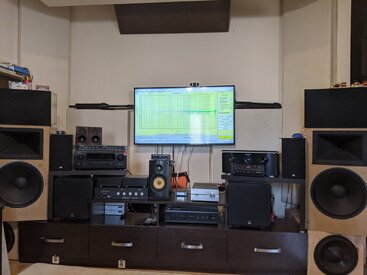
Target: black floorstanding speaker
x: 72, y: 198
x: 293, y: 158
x: 61, y: 152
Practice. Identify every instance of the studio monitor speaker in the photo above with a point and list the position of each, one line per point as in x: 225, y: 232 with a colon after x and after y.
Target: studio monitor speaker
x: 335, y: 254
x: 336, y: 183
x: 88, y: 135
x: 24, y: 166
x: 160, y: 176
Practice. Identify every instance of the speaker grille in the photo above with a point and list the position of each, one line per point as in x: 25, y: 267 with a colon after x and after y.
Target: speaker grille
x: 339, y: 193
x: 21, y: 184
x: 336, y: 255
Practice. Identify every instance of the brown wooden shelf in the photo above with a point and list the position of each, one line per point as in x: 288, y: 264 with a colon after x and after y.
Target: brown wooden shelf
x: 7, y: 75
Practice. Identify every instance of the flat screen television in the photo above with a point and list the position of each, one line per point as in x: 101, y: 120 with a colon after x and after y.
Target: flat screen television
x: 184, y: 115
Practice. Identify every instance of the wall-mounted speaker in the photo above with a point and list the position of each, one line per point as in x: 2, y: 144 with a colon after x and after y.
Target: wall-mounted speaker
x: 24, y: 166
x: 336, y: 184
x: 61, y: 152
x: 160, y: 176
x: 88, y: 135
x: 335, y: 254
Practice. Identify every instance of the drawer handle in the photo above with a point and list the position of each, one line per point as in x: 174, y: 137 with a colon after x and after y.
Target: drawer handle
x: 118, y: 244
x: 53, y: 241
x: 192, y: 246
x: 268, y: 250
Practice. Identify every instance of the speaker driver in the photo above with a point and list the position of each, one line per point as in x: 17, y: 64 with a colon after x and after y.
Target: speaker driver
x: 21, y: 184
x: 336, y: 255
x: 159, y: 183
x: 339, y: 193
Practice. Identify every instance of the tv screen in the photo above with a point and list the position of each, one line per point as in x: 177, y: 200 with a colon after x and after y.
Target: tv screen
x: 184, y: 115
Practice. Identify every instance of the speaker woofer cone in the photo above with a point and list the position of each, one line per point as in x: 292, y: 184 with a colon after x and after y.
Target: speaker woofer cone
x: 336, y: 255
x: 21, y: 184
x: 339, y: 193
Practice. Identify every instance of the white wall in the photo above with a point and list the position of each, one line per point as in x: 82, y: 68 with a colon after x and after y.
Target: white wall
x: 106, y: 66
x: 44, y: 48
x: 9, y: 31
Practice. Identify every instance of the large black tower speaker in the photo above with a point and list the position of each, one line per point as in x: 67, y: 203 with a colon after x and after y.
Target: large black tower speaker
x: 160, y: 175
x: 249, y: 204
x: 61, y: 152
x: 293, y: 158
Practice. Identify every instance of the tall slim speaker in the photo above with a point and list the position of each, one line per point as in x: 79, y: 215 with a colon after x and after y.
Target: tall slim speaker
x: 61, y: 152
x: 335, y: 254
x: 293, y: 158
x: 24, y: 166
x: 336, y: 184
x: 160, y: 175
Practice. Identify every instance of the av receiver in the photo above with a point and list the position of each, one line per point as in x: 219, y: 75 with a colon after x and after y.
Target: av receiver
x: 250, y: 163
x: 100, y: 157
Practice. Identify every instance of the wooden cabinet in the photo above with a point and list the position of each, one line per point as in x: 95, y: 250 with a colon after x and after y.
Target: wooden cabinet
x: 58, y: 243
x: 267, y: 252
x: 122, y: 247
x: 192, y: 249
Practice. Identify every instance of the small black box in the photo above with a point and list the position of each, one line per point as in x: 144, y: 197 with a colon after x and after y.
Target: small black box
x: 135, y: 181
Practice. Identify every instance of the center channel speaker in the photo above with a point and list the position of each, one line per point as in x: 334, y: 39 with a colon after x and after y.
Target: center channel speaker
x: 336, y: 184
x: 335, y: 254
x: 160, y: 176
x: 24, y: 166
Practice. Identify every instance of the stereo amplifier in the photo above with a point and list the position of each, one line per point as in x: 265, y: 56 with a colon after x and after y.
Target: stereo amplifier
x: 191, y: 214
x: 100, y: 157
x: 126, y: 193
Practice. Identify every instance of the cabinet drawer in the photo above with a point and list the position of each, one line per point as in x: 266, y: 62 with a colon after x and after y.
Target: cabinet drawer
x: 195, y: 249
x: 53, y: 242
x: 136, y: 246
x: 267, y: 251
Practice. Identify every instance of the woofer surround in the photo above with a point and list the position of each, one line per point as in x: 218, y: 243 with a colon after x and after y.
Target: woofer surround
x: 336, y: 255
x: 21, y: 184
x: 339, y: 193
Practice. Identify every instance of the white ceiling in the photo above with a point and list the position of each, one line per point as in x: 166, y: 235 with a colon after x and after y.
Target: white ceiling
x: 63, y: 3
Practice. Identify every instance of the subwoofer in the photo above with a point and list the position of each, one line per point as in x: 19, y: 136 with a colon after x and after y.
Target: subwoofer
x: 160, y: 176
x: 335, y: 254
x: 24, y: 165
x: 336, y: 183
